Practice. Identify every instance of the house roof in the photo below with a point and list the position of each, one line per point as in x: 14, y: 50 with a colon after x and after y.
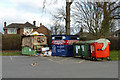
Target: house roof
x: 82, y: 33
x: 116, y: 32
x: 20, y: 25
x: 43, y: 27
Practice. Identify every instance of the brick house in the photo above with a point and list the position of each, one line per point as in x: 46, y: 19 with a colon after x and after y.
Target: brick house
x: 24, y: 29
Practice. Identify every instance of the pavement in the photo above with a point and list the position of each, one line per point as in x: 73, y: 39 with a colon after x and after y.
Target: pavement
x: 57, y: 67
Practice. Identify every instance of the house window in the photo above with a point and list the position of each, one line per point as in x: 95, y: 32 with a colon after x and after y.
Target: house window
x: 12, y: 31
x: 27, y: 30
x: 116, y: 35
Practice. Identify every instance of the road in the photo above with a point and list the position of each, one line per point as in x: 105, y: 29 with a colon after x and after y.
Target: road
x: 57, y: 67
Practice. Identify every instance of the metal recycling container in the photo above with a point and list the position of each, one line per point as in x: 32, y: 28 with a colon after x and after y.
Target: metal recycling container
x: 62, y: 45
x: 28, y: 51
x: 82, y: 49
x: 77, y: 50
x: 82, y: 45
x: 87, y: 53
x: 100, y: 49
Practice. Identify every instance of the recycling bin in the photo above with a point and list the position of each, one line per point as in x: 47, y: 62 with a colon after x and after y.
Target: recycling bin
x: 62, y: 45
x: 87, y: 53
x: 28, y: 51
x: 100, y: 49
x: 77, y: 50
x: 33, y: 44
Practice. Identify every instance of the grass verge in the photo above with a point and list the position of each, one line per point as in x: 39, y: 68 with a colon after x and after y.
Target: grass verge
x: 115, y: 55
x: 10, y: 53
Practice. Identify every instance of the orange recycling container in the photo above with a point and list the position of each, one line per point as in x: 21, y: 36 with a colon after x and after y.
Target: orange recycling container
x: 97, y: 52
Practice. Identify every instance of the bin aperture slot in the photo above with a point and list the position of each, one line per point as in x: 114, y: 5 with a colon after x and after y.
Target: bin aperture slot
x: 73, y: 37
x: 77, y: 48
x: 82, y: 46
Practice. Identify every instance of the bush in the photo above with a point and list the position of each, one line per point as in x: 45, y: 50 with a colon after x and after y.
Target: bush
x: 11, y: 42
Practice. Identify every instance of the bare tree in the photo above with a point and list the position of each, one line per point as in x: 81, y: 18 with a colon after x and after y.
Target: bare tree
x: 111, y: 10
x: 90, y: 16
x: 57, y: 28
x: 58, y: 18
x: 68, y: 4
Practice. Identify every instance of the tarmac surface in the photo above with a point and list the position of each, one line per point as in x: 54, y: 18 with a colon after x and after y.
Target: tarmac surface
x: 57, y: 67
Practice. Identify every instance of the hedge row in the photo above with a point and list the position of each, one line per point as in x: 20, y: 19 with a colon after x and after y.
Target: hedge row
x: 11, y: 42
x: 114, y: 43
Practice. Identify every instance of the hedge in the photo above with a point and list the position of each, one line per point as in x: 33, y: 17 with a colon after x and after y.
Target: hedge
x: 114, y: 43
x: 11, y: 42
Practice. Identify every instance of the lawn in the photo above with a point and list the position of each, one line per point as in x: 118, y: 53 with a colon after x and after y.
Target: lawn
x: 115, y: 55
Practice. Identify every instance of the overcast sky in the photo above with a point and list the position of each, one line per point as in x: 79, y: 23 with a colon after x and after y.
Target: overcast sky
x: 20, y: 11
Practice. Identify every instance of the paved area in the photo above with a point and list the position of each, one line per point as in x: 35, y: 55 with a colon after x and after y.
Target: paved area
x: 57, y: 67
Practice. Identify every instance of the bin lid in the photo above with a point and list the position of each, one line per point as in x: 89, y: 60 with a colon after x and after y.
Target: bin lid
x: 89, y: 42
x: 104, y: 41
x: 80, y: 42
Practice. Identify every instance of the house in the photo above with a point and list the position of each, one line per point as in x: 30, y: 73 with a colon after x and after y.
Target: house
x: 42, y: 29
x: 116, y: 34
x: 19, y: 28
x: 25, y: 29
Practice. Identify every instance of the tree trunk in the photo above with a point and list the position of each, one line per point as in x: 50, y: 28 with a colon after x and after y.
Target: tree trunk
x: 68, y: 18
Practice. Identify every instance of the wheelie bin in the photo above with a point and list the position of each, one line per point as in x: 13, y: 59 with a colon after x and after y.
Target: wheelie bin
x: 100, y: 49
x: 81, y: 49
x: 87, y: 53
x: 77, y: 50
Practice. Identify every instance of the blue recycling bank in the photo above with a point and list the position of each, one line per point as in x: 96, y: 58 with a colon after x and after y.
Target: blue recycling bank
x: 62, y: 45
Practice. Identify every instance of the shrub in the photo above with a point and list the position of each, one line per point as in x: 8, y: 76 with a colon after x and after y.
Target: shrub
x: 11, y: 42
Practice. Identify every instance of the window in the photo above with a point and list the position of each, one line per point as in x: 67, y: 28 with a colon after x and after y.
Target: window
x: 27, y: 30
x: 116, y: 35
x: 12, y: 31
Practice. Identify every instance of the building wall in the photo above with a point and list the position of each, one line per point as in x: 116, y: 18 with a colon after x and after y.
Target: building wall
x: 43, y: 30
x: 5, y: 31
x: 21, y: 31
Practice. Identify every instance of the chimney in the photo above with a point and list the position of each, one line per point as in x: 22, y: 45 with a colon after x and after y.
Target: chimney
x: 34, y: 23
x: 5, y: 24
x: 40, y: 24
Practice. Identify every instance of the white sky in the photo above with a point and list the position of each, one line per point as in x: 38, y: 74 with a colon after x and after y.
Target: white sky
x: 21, y: 11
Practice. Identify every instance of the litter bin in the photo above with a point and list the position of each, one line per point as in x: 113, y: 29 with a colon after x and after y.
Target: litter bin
x: 28, y: 51
x: 100, y: 49
x: 62, y: 45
